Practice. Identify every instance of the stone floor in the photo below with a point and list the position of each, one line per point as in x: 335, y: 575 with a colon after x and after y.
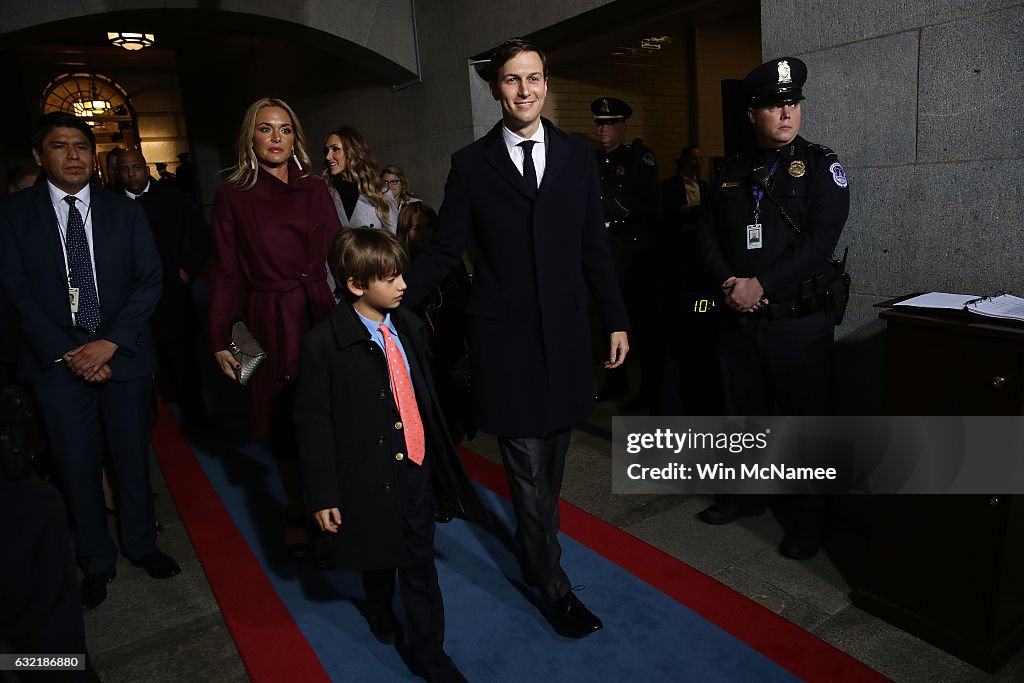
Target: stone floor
x: 179, y: 634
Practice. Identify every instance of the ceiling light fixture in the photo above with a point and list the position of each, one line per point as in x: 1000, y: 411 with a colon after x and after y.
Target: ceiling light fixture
x: 92, y: 104
x: 131, y: 41
x: 654, y: 42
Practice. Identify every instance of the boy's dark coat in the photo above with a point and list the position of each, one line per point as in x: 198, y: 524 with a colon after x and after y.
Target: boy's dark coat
x: 350, y: 432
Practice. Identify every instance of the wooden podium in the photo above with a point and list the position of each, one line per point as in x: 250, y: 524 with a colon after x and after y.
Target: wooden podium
x: 950, y: 569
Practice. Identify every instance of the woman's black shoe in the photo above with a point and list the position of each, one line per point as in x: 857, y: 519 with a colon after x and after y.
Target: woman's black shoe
x: 302, y: 550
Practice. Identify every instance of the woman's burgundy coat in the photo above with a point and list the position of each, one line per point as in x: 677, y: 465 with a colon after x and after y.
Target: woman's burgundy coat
x: 271, y: 243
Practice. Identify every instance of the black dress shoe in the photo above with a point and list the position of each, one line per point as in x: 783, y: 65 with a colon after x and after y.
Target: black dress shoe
x: 94, y: 589
x: 797, y: 546
x: 571, y: 618
x: 727, y: 513
x: 158, y: 565
x: 383, y: 624
x: 302, y: 550
x: 449, y: 675
x: 443, y: 516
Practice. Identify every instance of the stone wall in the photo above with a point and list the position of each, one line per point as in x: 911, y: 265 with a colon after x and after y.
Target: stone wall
x: 921, y: 100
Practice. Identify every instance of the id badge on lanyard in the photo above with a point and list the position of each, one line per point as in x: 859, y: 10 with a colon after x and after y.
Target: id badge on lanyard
x: 754, y: 235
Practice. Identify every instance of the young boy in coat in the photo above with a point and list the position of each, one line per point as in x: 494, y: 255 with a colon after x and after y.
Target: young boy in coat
x: 370, y: 432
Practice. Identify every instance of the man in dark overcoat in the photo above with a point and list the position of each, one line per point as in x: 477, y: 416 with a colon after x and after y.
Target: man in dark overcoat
x: 682, y: 196
x: 528, y: 194
x: 183, y: 240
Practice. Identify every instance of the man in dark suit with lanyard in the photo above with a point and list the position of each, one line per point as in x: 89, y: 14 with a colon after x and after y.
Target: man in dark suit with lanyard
x: 528, y: 194
x: 81, y: 268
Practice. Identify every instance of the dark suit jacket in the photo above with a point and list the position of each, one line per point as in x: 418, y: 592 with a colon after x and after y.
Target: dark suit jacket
x: 346, y: 417
x: 538, y: 249
x: 676, y: 209
x: 677, y: 252
x: 33, y: 272
x: 183, y: 240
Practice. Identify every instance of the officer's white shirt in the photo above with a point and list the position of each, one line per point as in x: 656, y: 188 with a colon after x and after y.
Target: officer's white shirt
x: 130, y: 195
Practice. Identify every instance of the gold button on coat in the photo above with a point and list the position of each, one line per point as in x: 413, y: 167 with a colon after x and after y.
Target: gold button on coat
x: 398, y: 425
x: 399, y: 456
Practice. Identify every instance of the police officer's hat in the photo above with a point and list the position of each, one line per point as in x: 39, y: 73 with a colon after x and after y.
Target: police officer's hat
x: 610, y: 110
x: 778, y: 80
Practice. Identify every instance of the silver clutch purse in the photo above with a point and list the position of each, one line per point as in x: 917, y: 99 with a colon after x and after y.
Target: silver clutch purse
x: 247, y: 352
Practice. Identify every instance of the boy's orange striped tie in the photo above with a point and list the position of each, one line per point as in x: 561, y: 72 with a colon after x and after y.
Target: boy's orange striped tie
x: 405, y: 398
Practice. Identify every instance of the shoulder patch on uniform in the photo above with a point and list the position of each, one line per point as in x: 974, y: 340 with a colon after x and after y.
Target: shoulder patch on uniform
x: 648, y: 158
x: 838, y: 174
x: 822, y: 149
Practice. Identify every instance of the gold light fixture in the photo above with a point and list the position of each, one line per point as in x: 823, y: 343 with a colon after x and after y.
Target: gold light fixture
x: 92, y: 104
x: 131, y: 41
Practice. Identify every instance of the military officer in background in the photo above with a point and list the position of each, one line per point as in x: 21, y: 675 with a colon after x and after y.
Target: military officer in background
x: 628, y: 194
x: 776, y: 216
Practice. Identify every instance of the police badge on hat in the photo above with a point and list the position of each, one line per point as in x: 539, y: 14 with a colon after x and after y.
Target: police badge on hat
x: 784, y: 73
x: 610, y: 110
x: 776, y: 81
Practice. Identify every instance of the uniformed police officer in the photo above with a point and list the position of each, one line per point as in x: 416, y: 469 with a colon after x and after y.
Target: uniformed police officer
x: 628, y: 189
x: 777, y: 214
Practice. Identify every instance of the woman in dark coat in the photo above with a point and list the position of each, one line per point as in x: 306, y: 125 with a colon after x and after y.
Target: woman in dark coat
x: 444, y: 314
x: 273, y: 224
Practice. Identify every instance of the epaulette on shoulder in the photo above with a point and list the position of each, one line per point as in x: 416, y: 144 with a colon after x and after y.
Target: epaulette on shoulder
x: 820, y: 149
x: 737, y: 158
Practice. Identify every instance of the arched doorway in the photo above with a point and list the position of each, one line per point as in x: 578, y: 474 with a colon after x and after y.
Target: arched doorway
x: 186, y: 93
x: 103, y: 104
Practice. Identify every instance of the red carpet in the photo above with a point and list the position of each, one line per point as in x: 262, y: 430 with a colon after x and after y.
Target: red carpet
x: 273, y: 648
x: 785, y: 643
x: 269, y: 642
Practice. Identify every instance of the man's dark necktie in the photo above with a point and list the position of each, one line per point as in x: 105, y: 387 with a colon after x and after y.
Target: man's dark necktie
x: 80, y: 266
x: 529, y: 170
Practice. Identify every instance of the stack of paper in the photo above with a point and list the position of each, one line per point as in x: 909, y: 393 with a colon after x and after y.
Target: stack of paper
x: 953, y: 302
x: 1005, y: 306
